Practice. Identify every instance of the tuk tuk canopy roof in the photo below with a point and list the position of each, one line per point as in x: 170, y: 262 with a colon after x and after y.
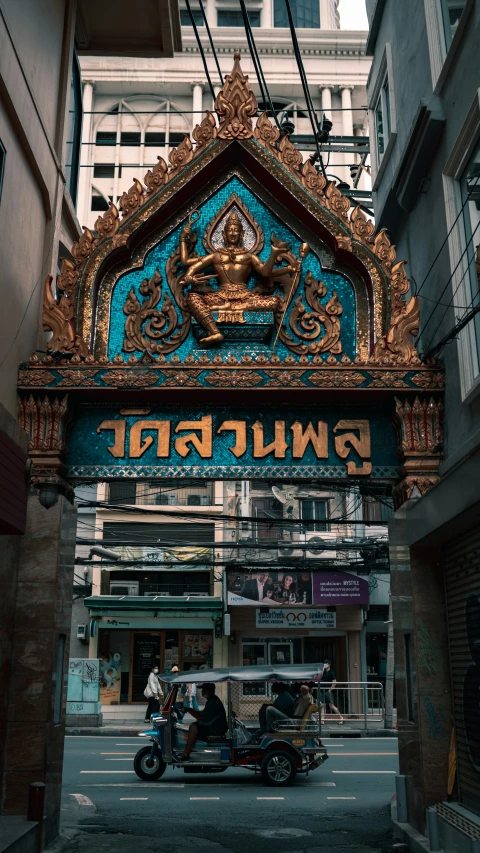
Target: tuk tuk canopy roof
x: 289, y: 672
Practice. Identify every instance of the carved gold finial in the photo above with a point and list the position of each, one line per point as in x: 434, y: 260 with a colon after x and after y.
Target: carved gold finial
x: 58, y: 314
x: 398, y: 344
x: 236, y: 104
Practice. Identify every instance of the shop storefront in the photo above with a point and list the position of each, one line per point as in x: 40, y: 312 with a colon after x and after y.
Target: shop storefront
x: 130, y: 643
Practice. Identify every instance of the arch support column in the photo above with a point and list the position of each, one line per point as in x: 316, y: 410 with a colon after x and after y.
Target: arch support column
x: 86, y: 154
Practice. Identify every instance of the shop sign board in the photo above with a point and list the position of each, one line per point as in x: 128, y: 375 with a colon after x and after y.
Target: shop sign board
x: 227, y: 442
x: 339, y: 588
x: 290, y: 588
x: 295, y: 619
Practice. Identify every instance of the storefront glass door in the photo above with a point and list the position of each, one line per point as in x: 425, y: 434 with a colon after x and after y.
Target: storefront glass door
x: 280, y: 653
x: 146, y: 651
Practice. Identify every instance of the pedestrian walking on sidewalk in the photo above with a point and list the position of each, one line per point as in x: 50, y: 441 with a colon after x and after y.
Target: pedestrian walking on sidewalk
x: 325, y: 695
x: 191, y: 697
x: 154, y: 693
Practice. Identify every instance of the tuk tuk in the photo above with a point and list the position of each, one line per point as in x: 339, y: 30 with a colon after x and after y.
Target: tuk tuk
x: 293, y: 745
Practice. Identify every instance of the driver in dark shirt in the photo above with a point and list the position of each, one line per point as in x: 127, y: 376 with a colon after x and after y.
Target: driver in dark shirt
x: 212, y: 720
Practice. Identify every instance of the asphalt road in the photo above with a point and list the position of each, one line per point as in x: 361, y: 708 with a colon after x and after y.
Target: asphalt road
x: 343, y: 806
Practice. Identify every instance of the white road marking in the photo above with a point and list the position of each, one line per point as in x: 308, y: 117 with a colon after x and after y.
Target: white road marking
x: 133, y: 798
x: 117, y: 759
x: 132, y: 772
x: 151, y: 785
x: 118, y: 753
x: 270, y: 798
x: 341, y: 798
x: 82, y: 800
x: 365, y: 771
x: 342, y: 754
x: 318, y: 784
x: 204, y: 798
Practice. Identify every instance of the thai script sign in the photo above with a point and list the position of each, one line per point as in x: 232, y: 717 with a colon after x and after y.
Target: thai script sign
x: 339, y: 588
x: 296, y: 619
x: 230, y: 443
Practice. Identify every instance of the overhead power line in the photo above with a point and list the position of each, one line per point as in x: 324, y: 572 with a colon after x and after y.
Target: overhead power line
x: 211, y: 42
x: 200, y: 47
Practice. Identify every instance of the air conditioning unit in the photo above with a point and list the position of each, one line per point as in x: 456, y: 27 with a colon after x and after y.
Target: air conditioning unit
x: 125, y: 588
x: 291, y: 553
x: 82, y: 632
x: 321, y: 555
x: 198, y: 594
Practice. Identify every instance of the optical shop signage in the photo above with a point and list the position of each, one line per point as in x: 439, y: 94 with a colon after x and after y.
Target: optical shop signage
x: 296, y: 619
x: 226, y: 443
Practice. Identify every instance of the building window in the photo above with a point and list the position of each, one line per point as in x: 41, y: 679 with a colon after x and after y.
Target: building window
x: 130, y: 138
x: 3, y: 157
x: 374, y: 510
x: 382, y: 117
x: 98, y: 202
x: 106, y: 137
x: 470, y: 188
x: 104, y: 170
x: 451, y: 13
x: 74, y: 131
x: 185, y: 17
x: 305, y: 13
x: 230, y: 18
x: 154, y: 140
x: 122, y: 492
x: 316, y: 513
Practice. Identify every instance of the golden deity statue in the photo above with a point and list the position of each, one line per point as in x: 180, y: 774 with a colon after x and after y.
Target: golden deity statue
x: 232, y: 266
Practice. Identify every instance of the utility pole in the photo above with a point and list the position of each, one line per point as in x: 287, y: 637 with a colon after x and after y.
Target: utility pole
x: 390, y: 670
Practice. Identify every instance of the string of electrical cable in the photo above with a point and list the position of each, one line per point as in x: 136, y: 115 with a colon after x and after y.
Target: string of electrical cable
x: 303, y: 77
x: 450, y: 278
x: 459, y: 214
x: 209, y: 34
x: 264, y: 92
x: 200, y: 47
x: 469, y: 307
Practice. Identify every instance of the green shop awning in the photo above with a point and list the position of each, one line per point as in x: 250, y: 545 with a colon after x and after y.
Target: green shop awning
x: 171, y: 604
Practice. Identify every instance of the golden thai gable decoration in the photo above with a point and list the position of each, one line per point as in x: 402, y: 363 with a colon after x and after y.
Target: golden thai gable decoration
x: 236, y: 265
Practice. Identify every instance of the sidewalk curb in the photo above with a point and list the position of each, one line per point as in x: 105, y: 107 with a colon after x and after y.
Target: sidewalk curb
x: 416, y: 842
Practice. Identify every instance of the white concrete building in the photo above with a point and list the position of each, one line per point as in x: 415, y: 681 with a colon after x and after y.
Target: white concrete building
x: 136, y: 109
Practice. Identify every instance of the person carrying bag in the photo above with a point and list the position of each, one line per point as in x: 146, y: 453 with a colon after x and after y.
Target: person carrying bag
x: 154, y: 693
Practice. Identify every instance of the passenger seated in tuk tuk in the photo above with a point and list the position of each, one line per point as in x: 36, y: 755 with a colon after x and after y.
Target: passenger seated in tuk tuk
x: 212, y: 720
x: 283, y: 704
x: 295, y: 710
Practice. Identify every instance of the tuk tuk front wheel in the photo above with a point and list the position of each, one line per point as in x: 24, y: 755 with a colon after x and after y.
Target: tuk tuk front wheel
x: 149, y: 768
x: 278, y: 768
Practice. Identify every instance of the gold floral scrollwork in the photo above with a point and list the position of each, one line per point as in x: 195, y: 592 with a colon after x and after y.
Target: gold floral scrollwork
x: 399, y: 282
x: 337, y: 203
x: 149, y: 329
x: 83, y: 248
x: 205, y: 132
x: 383, y: 249
x: 108, y: 224
x: 58, y: 314
x: 362, y: 228
x: 236, y: 104
x: 290, y: 157
x: 156, y: 177
x: 132, y: 200
x: 398, y: 345
x: 180, y: 156
x: 308, y: 325
x: 313, y: 180
x: 267, y: 134
x: 421, y: 426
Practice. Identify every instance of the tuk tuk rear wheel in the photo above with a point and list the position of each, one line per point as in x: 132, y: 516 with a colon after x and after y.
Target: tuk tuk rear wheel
x: 278, y: 769
x: 141, y: 765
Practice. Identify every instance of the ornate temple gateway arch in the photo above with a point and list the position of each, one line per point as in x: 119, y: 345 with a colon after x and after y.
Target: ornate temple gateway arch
x: 234, y: 319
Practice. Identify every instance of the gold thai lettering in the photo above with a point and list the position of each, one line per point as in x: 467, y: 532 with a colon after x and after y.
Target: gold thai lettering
x: 119, y: 427
x: 302, y: 438
x: 137, y: 449
x: 202, y: 444
x: 278, y: 446
x: 348, y: 441
x: 240, y: 429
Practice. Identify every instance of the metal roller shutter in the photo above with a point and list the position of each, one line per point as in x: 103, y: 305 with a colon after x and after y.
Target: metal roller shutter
x: 462, y: 586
